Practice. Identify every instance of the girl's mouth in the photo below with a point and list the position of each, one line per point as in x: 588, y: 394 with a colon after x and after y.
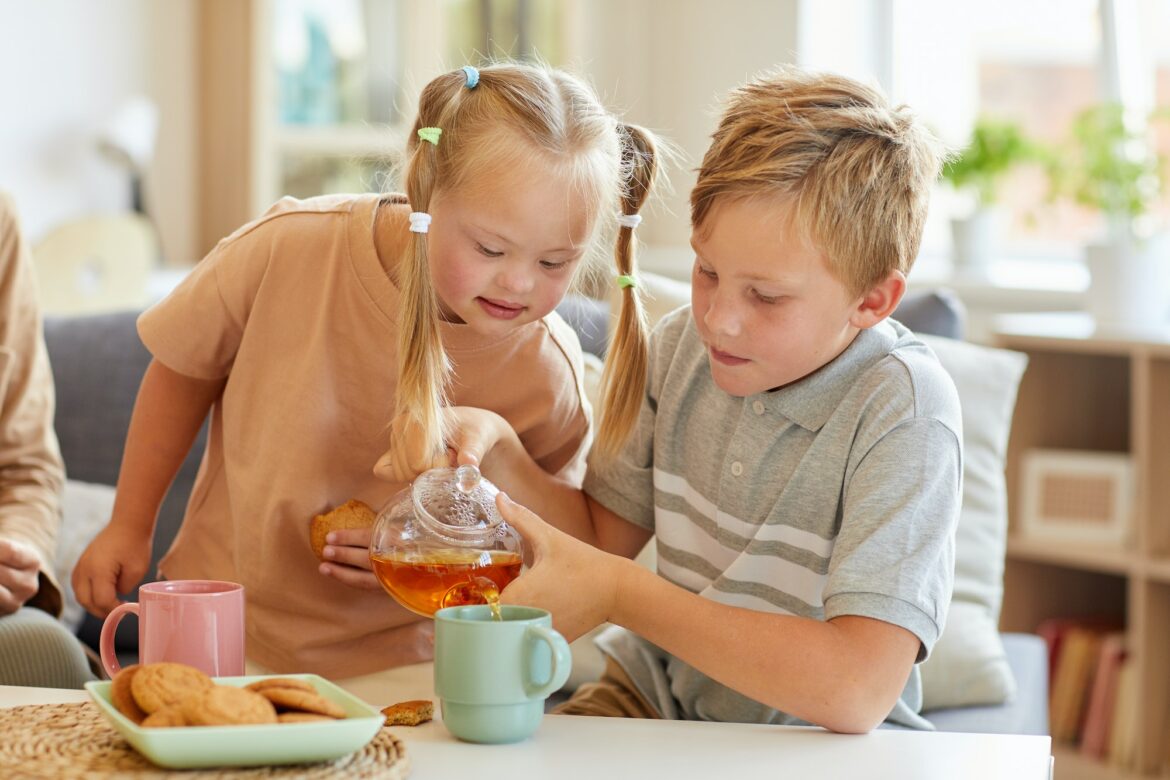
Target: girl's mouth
x: 501, y: 310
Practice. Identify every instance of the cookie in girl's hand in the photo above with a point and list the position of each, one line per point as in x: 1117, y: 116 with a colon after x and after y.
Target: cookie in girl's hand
x: 351, y: 514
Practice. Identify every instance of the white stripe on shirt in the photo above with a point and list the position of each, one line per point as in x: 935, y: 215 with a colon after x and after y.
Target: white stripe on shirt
x: 771, y: 532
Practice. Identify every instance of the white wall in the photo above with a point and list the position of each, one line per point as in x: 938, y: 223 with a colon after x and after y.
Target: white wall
x: 65, y: 67
x: 668, y: 64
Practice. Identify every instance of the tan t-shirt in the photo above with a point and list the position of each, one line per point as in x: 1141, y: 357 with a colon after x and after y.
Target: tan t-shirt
x: 31, y: 471
x: 298, y: 312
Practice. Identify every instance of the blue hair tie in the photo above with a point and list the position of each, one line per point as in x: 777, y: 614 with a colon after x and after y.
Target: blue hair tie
x: 472, y: 76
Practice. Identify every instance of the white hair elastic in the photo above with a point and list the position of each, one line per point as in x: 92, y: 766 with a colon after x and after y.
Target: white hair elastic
x: 630, y: 221
x: 420, y: 222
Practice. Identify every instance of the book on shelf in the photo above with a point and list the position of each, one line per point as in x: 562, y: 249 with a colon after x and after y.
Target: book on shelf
x: 1103, y: 694
x: 1072, y: 681
x: 1124, y: 727
x: 1054, y: 630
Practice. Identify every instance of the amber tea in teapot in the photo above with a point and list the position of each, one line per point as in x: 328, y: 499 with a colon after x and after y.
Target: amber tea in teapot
x: 447, y: 578
x: 442, y: 543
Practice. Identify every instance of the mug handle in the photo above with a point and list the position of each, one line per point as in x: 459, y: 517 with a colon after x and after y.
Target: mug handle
x: 109, y: 626
x: 562, y: 663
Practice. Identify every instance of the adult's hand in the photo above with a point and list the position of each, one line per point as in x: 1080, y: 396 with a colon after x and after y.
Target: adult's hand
x: 19, y: 575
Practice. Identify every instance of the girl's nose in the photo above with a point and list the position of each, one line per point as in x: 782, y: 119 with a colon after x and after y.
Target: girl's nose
x: 514, y: 280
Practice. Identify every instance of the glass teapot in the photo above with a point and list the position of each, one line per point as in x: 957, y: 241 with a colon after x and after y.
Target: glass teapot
x: 441, y: 542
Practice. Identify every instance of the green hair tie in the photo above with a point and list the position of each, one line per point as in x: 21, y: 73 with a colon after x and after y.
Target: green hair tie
x: 626, y: 280
x: 430, y: 134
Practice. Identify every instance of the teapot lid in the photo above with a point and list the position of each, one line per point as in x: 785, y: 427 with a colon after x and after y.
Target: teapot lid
x: 459, y: 499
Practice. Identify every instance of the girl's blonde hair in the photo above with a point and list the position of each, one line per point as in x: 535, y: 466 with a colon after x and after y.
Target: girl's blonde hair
x: 514, y: 111
x: 858, y: 171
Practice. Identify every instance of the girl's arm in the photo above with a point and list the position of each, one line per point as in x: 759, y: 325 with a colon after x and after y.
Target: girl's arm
x: 168, y: 412
x: 845, y: 674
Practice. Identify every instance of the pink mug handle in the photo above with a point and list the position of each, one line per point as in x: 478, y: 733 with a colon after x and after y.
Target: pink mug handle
x: 109, y: 626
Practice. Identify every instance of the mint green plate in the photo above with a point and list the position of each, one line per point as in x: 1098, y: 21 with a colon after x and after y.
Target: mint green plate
x: 282, y: 743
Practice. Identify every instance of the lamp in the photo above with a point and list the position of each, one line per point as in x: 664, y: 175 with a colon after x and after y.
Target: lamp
x: 128, y: 138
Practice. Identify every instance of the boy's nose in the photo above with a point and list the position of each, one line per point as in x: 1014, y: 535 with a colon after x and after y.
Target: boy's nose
x: 722, y: 318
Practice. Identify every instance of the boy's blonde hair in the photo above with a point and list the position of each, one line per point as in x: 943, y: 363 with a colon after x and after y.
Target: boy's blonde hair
x: 858, y: 171
x: 516, y: 112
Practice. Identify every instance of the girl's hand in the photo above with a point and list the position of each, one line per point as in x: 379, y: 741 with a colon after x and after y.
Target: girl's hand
x: 574, y: 581
x: 114, y: 562
x: 472, y: 433
x: 19, y: 575
x: 348, y: 554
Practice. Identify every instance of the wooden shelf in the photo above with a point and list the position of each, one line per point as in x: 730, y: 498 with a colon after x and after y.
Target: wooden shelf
x: 1071, y: 765
x: 1099, y: 390
x: 1088, y: 558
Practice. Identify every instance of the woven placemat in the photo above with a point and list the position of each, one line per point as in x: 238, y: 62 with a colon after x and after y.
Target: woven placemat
x: 72, y: 741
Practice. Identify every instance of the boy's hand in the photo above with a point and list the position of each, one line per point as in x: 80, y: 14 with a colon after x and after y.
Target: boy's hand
x: 574, y: 581
x: 19, y: 575
x: 348, y: 553
x: 114, y: 563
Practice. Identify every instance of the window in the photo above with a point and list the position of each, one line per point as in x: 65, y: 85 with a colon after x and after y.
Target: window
x: 337, y: 79
x: 1035, y: 63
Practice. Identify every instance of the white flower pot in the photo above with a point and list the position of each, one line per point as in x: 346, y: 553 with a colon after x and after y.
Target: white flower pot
x: 1130, y: 282
x: 973, y: 239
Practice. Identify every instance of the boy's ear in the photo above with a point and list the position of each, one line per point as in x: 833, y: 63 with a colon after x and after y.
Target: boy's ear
x: 880, y: 301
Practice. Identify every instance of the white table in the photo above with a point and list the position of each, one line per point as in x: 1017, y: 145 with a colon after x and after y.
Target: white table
x: 568, y: 747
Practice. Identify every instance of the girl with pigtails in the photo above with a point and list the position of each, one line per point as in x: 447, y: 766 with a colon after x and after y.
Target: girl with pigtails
x: 332, y: 334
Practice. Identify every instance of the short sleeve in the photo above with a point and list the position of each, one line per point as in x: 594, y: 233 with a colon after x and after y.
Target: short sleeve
x: 197, y: 329
x: 895, y: 555
x: 625, y: 484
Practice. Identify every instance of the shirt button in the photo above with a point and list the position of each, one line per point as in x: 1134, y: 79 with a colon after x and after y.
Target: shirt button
x: 737, y: 468
x: 758, y: 407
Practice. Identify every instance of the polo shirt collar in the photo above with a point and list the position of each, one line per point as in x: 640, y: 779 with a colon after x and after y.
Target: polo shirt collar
x: 810, y: 402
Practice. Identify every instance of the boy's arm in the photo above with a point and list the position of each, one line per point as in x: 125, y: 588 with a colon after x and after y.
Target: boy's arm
x: 167, y: 414
x: 845, y: 674
x: 508, y: 465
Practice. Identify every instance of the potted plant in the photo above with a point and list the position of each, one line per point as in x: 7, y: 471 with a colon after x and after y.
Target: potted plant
x: 1110, y: 166
x: 978, y: 170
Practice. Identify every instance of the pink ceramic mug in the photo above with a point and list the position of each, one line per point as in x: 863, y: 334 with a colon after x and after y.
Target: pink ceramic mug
x: 195, y: 622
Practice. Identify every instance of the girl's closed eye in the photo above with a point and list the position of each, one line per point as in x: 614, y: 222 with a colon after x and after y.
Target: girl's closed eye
x: 554, y: 265
x: 483, y: 250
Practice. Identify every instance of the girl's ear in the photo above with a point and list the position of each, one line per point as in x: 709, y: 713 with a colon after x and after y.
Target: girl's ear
x: 880, y: 301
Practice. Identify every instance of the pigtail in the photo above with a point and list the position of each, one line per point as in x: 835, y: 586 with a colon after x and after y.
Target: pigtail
x: 623, y: 379
x: 418, y: 431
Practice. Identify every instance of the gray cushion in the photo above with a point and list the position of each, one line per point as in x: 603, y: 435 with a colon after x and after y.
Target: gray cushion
x: 98, y: 363
x: 937, y: 312
x: 1026, y: 712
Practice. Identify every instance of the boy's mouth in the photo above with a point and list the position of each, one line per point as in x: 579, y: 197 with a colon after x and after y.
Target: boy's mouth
x: 501, y: 310
x: 726, y: 358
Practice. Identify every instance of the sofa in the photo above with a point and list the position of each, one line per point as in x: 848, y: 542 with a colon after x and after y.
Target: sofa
x: 98, y: 362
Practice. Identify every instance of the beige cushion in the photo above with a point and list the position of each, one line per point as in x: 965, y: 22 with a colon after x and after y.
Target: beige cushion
x: 968, y: 665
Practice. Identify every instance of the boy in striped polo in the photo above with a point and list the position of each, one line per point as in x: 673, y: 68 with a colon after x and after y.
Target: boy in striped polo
x: 797, y: 456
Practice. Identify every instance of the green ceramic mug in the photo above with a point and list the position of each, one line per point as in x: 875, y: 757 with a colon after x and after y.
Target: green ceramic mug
x: 492, y: 677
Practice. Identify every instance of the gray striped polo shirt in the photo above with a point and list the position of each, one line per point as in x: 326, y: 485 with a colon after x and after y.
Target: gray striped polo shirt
x: 835, y: 495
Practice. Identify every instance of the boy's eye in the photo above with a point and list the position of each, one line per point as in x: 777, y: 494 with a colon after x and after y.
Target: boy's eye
x: 765, y: 298
x: 483, y: 250
x: 707, y: 272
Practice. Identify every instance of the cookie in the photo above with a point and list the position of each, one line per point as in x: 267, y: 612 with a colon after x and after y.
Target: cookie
x: 282, y: 682
x: 351, y: 514
x: 301, y: 701
x: 302, y: 717
x: 154, y: 686
x: 170, y: 716
x: 122, y: 698
x: 224, y: 705
x: 409, y: 713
